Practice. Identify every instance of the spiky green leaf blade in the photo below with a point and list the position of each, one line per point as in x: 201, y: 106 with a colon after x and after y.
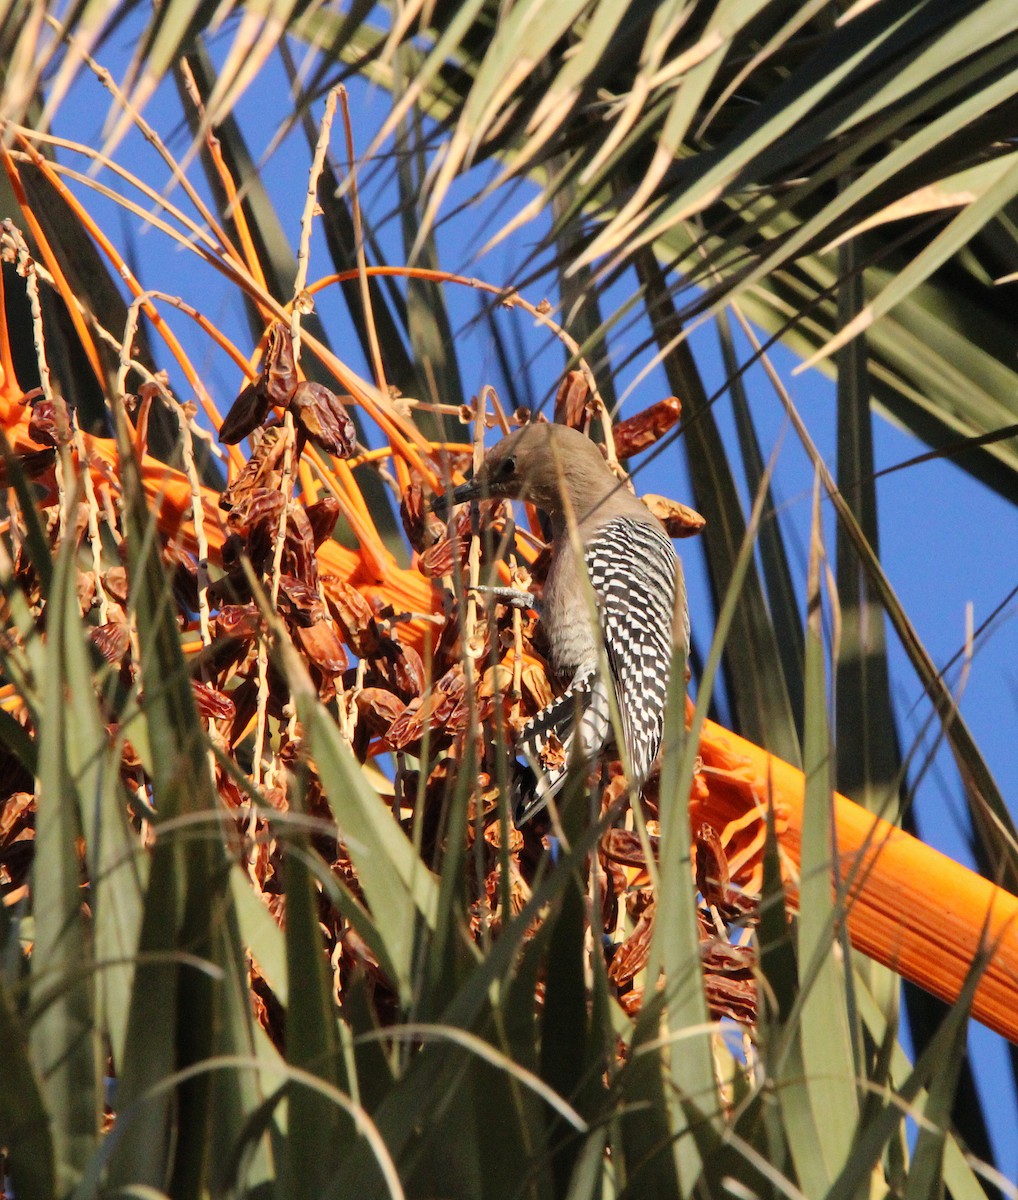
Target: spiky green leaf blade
x: 782, y: 600
x: 958, y: 233
x: 926, y: 1176
x: 517, y: 1014
x: 914, y: 42
x: 904, y: 163
x: 64, y: 1036
x: 867, y: 758
x: 372, y: 1068
x: 117, y: 867
x: 260, y: 933
x: 588, y: 1178
x: 409, y: 1110
x: 25, y: 1130
x: 565, y: 1037
x: 761, y: 1124
x: 865, y: 745
x: 645, y: 1133
x: 827, y: 1052
x: 447, y: 959
x: 316, y: 1130
x: 34, y: 533
x: 997, y: 832
x: 675, y: 943
x: 430, y: 331
x: 959, y: 1175
x: 873, y: 1138
x: 522, y: 39
x: 753, y: 673
x: 940, y: 377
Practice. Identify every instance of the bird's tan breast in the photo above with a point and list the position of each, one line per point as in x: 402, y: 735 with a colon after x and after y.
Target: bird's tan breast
x: 573, y: 636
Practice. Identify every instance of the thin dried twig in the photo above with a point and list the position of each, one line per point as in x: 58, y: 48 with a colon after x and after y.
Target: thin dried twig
x: 27, y: 267
x: 377, y: 365
x: 185, y: 422
x: 507, y: 297
x: 301, y: 304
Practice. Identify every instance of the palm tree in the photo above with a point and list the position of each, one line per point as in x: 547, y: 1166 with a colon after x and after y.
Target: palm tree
x: 215, y: 663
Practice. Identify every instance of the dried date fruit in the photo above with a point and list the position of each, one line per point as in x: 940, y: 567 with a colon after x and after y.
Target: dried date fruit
x: 85, y: 588
x: 536, y: 686
x: 712, y: 874
x: 299, y: 601
x: 257, y: 512
x: 643, y: 429
x: 402, y: 668
x: 112, y: 640
x: 321, y: 415
x: 435, y: 712
x: 679, y: 520
x: 212, y: 704
x: 441, y: 558
x: 423, y: 529
x: 323, y: 515
x: 352, y: 614
x: 624, y: 846
x: 729, y: 979
x: 48, y: 425
x: 552, y: 754
x: 378, y: 708
x: 323, y: 647
x: 264, y: 469
x: 279, y: 376
x: 631, y: 957
x: 273, y: 386
x: 571, y: 400
x: 298, y: 557
x: 237, y: 621
x: 16, y: 814
x: 246, y: 413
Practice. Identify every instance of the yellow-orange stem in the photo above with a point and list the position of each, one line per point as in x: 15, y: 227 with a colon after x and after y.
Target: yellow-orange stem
x: 909, y: 907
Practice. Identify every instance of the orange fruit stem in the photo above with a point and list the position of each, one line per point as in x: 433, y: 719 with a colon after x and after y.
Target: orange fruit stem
x: 909, y: 907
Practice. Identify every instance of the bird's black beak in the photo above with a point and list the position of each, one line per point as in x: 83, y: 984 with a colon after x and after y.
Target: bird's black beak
x: 471, y: 490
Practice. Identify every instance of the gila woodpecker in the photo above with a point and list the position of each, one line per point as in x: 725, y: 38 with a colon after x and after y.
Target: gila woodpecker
x: 636, y: 580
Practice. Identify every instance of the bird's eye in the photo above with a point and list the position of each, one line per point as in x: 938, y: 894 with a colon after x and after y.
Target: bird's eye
x: 508, y: 468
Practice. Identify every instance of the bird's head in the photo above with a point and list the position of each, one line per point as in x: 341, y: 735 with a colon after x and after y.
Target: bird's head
x: 539, y: 463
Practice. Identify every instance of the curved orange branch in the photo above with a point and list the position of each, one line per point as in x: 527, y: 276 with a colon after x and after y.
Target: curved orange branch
x: 908, y: 906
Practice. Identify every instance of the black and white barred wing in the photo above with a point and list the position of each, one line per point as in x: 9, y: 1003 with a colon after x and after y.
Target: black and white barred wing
x: 634, y: 572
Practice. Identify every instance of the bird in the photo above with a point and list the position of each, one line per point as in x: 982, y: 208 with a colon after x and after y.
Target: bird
x: 600, y: 530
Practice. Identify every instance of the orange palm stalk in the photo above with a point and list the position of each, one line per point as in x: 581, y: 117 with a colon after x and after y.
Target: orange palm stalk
x: 908, y: 906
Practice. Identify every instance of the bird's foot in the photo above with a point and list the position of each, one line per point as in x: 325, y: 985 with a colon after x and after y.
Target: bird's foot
x: 506, y: 595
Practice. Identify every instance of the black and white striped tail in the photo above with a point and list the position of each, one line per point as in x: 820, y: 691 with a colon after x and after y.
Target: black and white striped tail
x: 581, y: 721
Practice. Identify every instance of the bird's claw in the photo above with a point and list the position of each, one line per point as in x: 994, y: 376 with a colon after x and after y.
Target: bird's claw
x: 511, y: 596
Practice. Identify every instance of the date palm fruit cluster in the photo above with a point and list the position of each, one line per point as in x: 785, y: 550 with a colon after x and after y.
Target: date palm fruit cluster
x: 416, y: 686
